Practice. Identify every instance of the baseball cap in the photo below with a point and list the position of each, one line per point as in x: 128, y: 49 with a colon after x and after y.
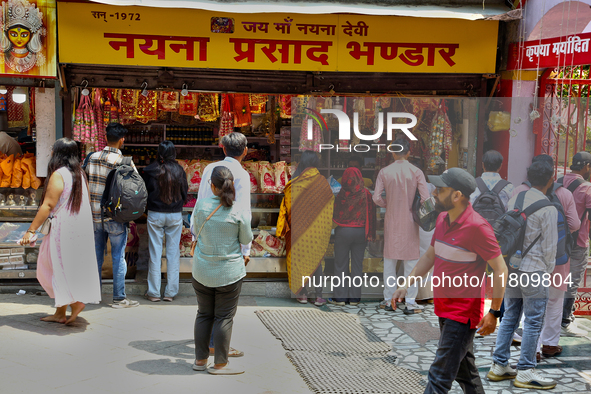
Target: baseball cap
x: 457, y: 179
x: 581, y: 158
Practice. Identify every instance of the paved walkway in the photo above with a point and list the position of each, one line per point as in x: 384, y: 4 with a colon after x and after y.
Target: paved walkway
x: 149, y: 349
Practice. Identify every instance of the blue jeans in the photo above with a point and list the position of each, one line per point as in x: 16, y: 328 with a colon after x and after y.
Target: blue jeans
x: 454, y: 359
x: 117, y: 234
x: 530, y: 300
x: 161, y: 224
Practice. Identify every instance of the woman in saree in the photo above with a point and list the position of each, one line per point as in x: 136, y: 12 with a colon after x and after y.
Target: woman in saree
x: 305, y: 221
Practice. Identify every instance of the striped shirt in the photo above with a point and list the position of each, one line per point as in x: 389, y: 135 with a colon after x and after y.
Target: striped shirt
x: 542, y: 256
x: 99, y: 166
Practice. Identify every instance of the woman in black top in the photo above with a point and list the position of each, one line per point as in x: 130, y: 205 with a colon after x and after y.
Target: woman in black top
x: 167, y: 192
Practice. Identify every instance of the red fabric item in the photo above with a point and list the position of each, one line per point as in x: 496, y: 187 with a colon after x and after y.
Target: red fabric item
x: 462, y: 249
x: 354, y: 205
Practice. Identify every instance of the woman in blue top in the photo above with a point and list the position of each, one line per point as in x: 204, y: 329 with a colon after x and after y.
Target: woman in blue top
x: 218, y: 269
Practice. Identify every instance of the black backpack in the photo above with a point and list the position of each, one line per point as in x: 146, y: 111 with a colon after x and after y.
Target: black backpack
x: 565, y: 238
x: 488, y: 204
x: 125, y: 196
x: 510, y: 227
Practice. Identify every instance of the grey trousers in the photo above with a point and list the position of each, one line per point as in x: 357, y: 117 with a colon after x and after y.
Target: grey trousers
x: 578, y: 265
x: 215, y: 317
x: 349, y: 242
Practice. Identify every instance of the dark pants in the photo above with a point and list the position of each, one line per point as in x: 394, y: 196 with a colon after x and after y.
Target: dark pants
x: 215, y: 317
x: 578, y: 265
x: 349, y: 241
x: 454, y: 359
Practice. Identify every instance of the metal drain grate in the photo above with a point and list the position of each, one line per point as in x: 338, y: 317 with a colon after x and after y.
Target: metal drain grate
x: 319, y: 331
x: 354, y: 374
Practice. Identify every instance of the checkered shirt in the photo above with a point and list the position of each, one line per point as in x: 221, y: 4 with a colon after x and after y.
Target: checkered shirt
x: 99, y: 166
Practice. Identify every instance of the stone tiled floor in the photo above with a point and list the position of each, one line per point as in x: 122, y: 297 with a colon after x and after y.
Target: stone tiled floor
x: 414, y: 341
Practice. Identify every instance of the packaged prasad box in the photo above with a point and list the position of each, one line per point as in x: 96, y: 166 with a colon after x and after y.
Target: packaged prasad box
x: 17, y: 251
x: 4, y: 252
x: 16, y: 259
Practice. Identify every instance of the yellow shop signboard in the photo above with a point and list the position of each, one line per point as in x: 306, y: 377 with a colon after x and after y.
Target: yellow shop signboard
x: 91, y: 33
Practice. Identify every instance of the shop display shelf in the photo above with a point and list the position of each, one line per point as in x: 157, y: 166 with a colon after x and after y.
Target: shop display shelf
x: 176, y: 146
x: 264, y: 210
x: 18, y: 274
x: 256, y: 264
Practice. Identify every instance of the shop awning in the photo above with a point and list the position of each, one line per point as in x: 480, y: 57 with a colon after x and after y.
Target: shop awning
x: 469, y: 10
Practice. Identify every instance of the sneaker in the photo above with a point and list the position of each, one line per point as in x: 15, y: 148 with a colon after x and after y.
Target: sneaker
x: 498, y: 373
x: 354, y: 303
x: 319, y: 301
x: 573, y: 330
x: 332, y: 301
x: 551, y: 351
x: 516, y: 339
x: 411, y: 309
x: 302, y: 299
x: 530, y: 379
x: 124, y: 304
x: 385, y: 305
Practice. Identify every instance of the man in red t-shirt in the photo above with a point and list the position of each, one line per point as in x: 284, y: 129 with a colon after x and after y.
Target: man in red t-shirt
x: 462, y: 244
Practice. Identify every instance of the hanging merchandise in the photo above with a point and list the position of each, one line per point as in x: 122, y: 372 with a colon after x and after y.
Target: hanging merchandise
x: 147, y: 107
x: 258, y: 103
x: 168, y: 101
x: 29, y: 167
x: 2, y: 102
x: 226, y: 120
x: 99, y: 117
x: 441, y: 135
x: 78, y: 118
x: 316, y: 139
x: 128, y: 104
x: 16, y: 111
x: 285, y: 104
x: 31, y: 111
x: 7, y: 165
x: 189, y: 104
x: 111, y: 113
x: 241, y: 109
x: 209, y: 110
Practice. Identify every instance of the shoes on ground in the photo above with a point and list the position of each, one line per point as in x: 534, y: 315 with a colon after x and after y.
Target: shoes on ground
x: 573, y: 330
x: 302, y: 299
x: 125, y: 303
x: 334, y: 302
x: 232, y: 353
x: 319, y: 301
x: 199, y: 367
x: 227, y: 370
x: 538, y: 357
x: 498, y: 373
x: 150, y: 298
x: 551, y: 351
x: 354, y: 302
x: 167, y: 299
x: 385, y: 305
x: 531, y: 379
x: 516, y: 339
x: 411, y: 309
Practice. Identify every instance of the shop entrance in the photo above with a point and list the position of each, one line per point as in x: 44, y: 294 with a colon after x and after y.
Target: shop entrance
x: 562, y: 127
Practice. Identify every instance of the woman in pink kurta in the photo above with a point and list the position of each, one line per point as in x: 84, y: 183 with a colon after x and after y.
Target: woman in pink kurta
x: 400, y: 180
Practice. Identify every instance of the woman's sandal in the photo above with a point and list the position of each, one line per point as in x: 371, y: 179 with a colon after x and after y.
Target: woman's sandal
x: 232, y: 353
x: 227, y: 370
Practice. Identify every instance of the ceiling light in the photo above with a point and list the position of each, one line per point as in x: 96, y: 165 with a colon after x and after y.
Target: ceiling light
x: 3, y: 89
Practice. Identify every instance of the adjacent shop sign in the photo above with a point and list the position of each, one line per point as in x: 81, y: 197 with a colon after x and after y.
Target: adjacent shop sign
x: 550, y: 52
x: 92, y: 33
x: 28, y: 39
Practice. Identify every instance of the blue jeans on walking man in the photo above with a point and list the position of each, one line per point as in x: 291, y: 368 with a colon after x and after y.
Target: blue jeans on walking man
x: 117, y: 234
x: 522, y: 296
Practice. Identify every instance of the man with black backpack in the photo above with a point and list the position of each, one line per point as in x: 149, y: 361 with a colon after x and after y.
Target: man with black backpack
x: 99, y: 167
x: 568, y: 222
x: 492, y: 193
x: 526, y: 292
x: 577, y: 183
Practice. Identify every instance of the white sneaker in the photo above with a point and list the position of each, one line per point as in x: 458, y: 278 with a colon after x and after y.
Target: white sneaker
x: 530, y: 379
x: 516, y: 339
x: 411, y: 309
x: 125, y: 303
x: 498, y: 373
x: 573, y: 330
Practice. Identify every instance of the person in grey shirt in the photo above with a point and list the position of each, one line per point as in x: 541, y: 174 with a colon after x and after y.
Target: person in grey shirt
x: 525, y: 290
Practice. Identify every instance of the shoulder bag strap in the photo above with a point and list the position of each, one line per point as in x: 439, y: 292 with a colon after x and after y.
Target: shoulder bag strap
x: 500, y: 186
x: 194, y: 243
x: 574, y: 185
x: 481, y: 185
x: 530, y: 210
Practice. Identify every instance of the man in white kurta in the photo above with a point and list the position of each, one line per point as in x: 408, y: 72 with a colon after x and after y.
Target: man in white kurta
x: 400, y: 180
